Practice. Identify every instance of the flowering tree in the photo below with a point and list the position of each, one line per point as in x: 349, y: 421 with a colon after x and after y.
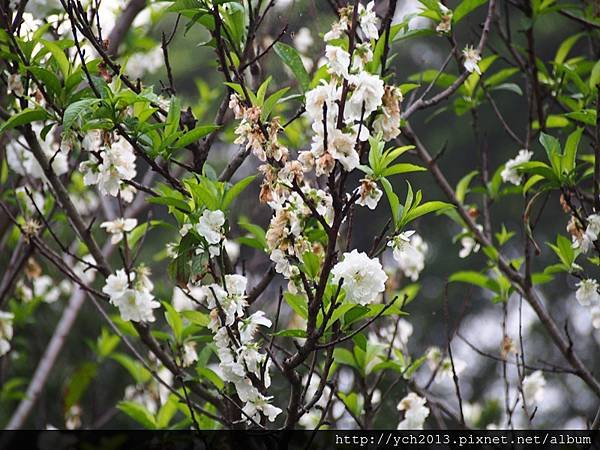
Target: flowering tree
x: 301, y: 319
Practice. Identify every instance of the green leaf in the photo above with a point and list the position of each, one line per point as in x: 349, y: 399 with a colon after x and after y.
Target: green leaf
x: 463, y: 186
x: 24, y: 117
x: 392, y: 199
x: 571, y: 145
x: 76, y: 111
x: 475, y: 278
x: 196, y: 317
x: 210, y: 375
x: 166, y: 412
x: 236, y: 190
x: 174, y: 321
x: 192, y: 136
x: 291, y: 58
x: 311, y: 264
x: 465, y: 7
x: 565, y: 48
x: 79, y: 382
x: 137, y: 371
x: 344, y: 356
x: 172, y: 121
x: 48, y: 78
x: 170, y: 201
x: 298, y: 303
x: 595, y: 76
x: 138, y: 413
x: 402, y: 168
x: 59, y: 56
x: 550, y: 144
x: 426, y: 208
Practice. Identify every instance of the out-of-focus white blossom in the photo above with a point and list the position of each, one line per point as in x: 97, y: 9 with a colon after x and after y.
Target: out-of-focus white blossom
x: 6, y: 331
x: 533, y: 388
x: 303, y: 40
x: 587, y: 292
x: 142, y: 63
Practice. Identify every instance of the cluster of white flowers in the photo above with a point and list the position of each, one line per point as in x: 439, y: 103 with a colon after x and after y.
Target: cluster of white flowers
x: 584, y: 240
x: 409, y: 251
x: 362, y: 276
x: 533, y: 388
x: 471, y: 59
x: 587, y: 295
x: 367, y: 20
x: 118, y: 227
x: 116, y: 164
x: 6, y: 331
x: 415, y: 412
x: 131, y: 292
x: 20, y: 158
x: 261, y: 138
x: 510, y: 172
x: 238, y: 352
x: 285, y: 238
x: 366, y: 94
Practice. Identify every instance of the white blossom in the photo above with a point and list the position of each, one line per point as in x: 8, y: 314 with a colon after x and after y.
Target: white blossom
x: 415, y: 412
x: 117, y: 166
x: 323, y: 94
x: 20, y: 158
x: 533, y: 388
x: 136, y: 305
x: 367, y: 91
x: 341, y: 147
x: 190, y: 356
x: 6, y: 331
x: 303, y: 40
x: 409, y: 251
x: 587, y: 292
x: 471, y: 59
x: 367, y: 18
x: 595, y: 311
x: 210, y: 226
x: 469, y: 244
x: 135, y: 302
x: 445, y: 371
x: 15, y: 85
x: 369, y: 193
x: 510, y: 172
x: 363, y: 277
x: 142, y: 63
x: 247, y: 327
x: 118, y: 227
x: 338, y: 60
